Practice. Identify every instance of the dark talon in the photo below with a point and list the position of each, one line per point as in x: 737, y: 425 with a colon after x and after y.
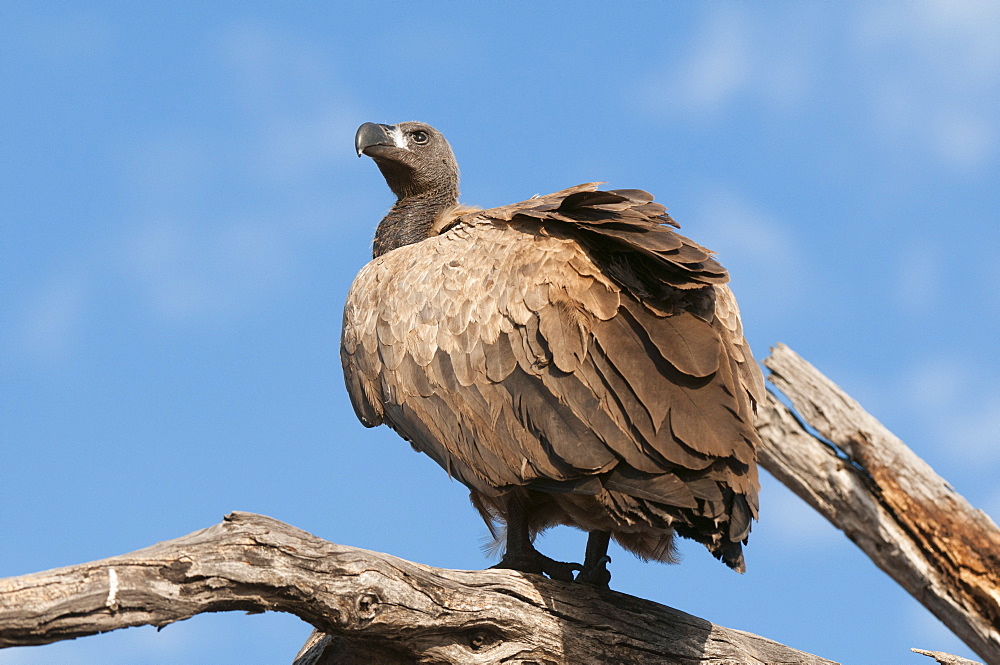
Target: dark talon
x: 559, y: 570
x: 521, y: 554
x: 537, y: 563
x: 595, y: 565
x: 524, y: 563
x: 597, y: 574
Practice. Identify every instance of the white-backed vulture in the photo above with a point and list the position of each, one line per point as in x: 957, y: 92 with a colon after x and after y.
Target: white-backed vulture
x: 571, y: 359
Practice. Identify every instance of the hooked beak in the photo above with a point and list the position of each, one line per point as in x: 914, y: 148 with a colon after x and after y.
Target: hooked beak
x: 371, y: 134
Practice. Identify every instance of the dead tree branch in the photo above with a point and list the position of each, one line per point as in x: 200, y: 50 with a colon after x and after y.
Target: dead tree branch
x: 945, y: 658
x: 377, y: 607
x: 886, y: 499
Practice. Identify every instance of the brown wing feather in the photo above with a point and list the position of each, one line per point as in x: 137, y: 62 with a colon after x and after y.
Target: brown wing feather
x: 727, y: 316
x: 566, y: 339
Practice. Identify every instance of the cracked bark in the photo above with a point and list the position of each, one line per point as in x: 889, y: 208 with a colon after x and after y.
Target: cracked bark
x: 374, y: 607
x: 889, y: 502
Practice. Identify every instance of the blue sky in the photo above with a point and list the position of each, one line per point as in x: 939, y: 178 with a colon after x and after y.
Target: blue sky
x: 182, y: 214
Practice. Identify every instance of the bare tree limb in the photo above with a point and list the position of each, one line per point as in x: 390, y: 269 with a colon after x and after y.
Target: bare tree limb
x: 945, y: 658
x: 375, y: 608
x: 377, y: 604
x: 886, y: 499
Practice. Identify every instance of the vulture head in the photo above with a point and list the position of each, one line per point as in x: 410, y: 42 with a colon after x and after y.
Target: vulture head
x: 414, y: 158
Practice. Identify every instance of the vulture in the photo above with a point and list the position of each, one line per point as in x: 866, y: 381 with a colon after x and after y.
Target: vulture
x: 571, y: 359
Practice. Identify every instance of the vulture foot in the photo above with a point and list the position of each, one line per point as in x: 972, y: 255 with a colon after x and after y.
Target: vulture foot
x: 536, y: 562
x: 597, y: 573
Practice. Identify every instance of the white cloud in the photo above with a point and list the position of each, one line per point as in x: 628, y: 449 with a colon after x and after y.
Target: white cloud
x: 927, y: 74
x: 976, y: 429
x: 726, y: 63
x: 918, y: 277
x: 52, y: 319
x: 718, y: 68
x: 936, y: 382
x: 308, y: 143
x: 935, y: 76
x: 948, y: 397
x: 190, y: 245
x: 963, y: 137
x: 193, y: 254
x: 187, y: 271
x: 291, y: 88
x: 960, y: 35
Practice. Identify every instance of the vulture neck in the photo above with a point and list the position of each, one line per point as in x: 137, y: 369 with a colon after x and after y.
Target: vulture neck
x: 411, y: 219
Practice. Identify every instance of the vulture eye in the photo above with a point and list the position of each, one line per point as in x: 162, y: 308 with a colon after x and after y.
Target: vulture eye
x: 420, y: 137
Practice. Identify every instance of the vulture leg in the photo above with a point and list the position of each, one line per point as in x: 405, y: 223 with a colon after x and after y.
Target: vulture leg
x: 595, y: 569
x: 521, y: 554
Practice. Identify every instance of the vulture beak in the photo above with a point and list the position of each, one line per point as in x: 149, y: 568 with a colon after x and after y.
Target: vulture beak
x: 371, y: 134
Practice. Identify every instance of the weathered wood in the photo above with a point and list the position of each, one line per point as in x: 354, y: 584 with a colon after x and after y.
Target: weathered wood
x: 380, y: 609
x: 945, y: 658
x: 905, y: 517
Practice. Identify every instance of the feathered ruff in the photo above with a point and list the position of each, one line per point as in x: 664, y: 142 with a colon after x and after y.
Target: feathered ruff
x: 545, y: 512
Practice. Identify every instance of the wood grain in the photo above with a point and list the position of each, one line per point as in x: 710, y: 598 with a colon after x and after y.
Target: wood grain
x: 376, y: 607
x: 889, y: 502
